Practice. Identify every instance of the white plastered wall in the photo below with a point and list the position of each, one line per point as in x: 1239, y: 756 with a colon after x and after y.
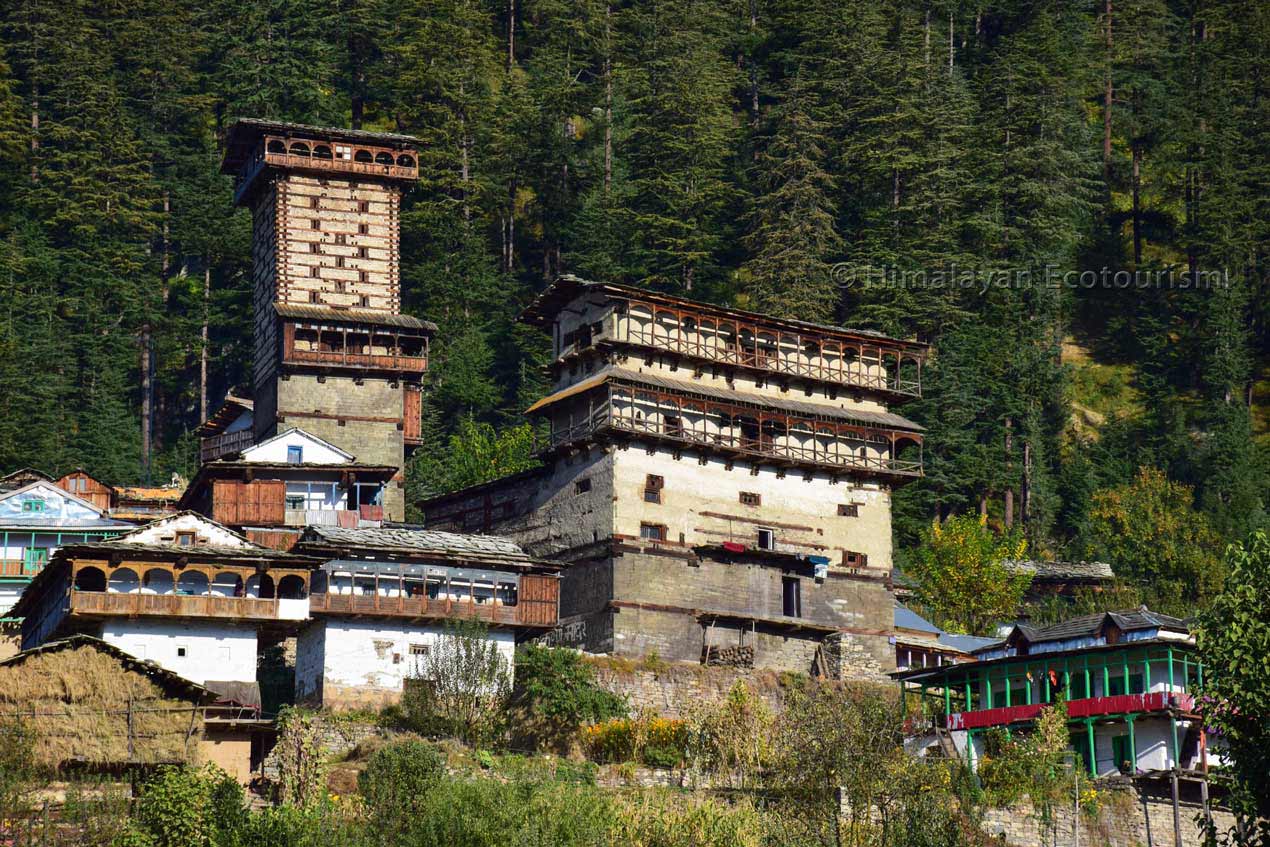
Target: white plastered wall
x: 213, y: 650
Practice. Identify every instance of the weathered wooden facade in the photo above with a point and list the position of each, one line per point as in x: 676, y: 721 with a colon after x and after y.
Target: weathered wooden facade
x: 334, y: 354
x: 382, y: 598
x: 718, y: 481
x: 272, y: 490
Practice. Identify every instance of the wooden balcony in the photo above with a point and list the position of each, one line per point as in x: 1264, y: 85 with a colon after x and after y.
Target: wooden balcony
x: 364, y: 361
x: 174, y: 606
x: 762, y: 447
x: 18, y: 567
x: 225, y: 444
x: 537, y: 606
x: 1088, y: 707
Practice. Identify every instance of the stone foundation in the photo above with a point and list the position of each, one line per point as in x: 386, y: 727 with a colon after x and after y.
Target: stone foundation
x: 1130, y: 816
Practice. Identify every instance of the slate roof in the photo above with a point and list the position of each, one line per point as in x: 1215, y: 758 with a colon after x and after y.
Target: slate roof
x: 613, y: 373
x: 1128, y: 620
x: 419, y: 542
x: 251, y: 553
x: 306, y: 311
x: 568, y: 287
x: 1063, y: 571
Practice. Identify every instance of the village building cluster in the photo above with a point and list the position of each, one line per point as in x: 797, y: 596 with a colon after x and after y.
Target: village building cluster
x: 715, y: 487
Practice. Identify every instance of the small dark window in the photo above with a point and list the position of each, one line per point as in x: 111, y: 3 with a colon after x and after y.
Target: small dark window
x: 363, y: 206
x: 855, y: 560
x: 766, y: 539
x: 750, y: 498
x: 316, y: 223
x: 363, y: 253
x: 180, y: 652
x: 339, y: 261
x: 365, y: 301
x: 791, y: 597
x: 315, y: 247
x: 419, y: 649
x: 848, y: 510
x: 314, y: 297
x: 313, y: 202
x: 653, y: 485
x: 582, y: 486
x: 341, y: 239
x: 315, y: 272
x: 652, y: 531
x: 363, y: 229
x: 674, y: 426
x: 185, y: 539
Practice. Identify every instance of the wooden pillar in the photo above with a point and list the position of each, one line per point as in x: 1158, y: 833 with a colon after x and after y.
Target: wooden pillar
x: 1133, y: 745
x: 1093, y: 751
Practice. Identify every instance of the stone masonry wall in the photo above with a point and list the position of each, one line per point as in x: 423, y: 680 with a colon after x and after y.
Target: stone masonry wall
x: 1123, y: 820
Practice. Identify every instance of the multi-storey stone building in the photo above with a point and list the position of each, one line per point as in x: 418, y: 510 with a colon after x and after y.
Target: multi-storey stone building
x: 719, y: 481
x: 334, y: 354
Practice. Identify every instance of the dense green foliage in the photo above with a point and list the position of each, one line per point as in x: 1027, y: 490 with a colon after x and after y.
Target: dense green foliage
x: 556, y: 694
x: 460, y: 688
x: 1234, y: 641
x: 962, y: 577
x: 734, y: 151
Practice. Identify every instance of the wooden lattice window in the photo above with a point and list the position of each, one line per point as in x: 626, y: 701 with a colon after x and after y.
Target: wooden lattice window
x: 848, y: 510
x: 855, y: 560
x: 653, y: 485
x: 652, y: 531
x: 751, y: 498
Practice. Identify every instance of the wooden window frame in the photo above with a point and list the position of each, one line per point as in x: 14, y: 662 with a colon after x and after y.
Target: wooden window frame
x: 659, y: 529
x: 848, y: 510
x: 750, y: 498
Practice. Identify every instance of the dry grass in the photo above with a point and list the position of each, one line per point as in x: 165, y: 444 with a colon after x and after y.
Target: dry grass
x: 77, y: 704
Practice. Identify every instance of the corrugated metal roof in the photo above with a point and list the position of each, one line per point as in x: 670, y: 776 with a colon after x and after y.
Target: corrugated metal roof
x: 906, y: 618
x: 966, y: 643
x: 421, y: 541
x: 860, y: 416
x: 305, y: 311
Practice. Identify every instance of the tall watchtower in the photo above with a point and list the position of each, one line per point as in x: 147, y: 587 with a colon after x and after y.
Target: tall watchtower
x: 333, y: 353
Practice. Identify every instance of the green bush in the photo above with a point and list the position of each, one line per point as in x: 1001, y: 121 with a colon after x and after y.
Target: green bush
x: 557, y: 694
x: 398, y: 778
x: 176, y: 809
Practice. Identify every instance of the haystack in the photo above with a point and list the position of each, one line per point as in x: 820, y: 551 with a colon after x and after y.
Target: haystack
x: 87, y: 701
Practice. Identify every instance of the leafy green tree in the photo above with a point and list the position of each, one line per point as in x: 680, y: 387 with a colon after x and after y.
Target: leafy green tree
x: 557, y: 692
x: 1234, y: 642
x: 1151, y: 535
x: 962, y: 577
x: 460, y: 688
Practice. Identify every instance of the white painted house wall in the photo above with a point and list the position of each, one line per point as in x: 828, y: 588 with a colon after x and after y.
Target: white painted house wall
x: 315, y: 450
x: 214, y: 650
x: 371, y: 654
x: 164, y: 530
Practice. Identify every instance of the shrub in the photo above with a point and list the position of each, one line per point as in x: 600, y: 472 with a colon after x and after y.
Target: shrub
x: 650, y: 739
x: 176, y: 809
x: 732, y: 737
x: 557, y: 694
x: 462, y: 687
x: 397, y: 780
x: 301, y: 762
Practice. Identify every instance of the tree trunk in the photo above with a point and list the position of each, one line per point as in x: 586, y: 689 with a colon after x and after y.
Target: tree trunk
x: 1107, y: 96
x: 511, y: 34
x: 1137, y: 208
x: 202, y: 358
x: 608, y: 100
x: 1009, y: 486
x: 147, y: 390
x: 35, y: 131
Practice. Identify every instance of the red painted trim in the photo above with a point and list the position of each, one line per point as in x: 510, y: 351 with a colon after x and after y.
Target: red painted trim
x: 1090, y: 707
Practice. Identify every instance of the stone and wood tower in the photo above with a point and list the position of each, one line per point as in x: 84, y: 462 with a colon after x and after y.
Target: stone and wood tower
x: 333, y: 353
x: 719, y: 481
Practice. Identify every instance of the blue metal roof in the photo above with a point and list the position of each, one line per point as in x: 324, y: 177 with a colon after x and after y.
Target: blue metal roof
x: 906, y: 618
